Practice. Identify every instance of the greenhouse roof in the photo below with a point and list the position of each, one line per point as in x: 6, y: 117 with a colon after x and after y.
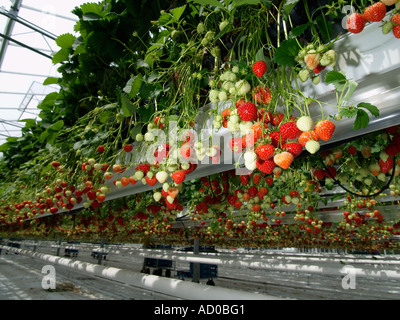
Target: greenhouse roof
x: 28, y: 29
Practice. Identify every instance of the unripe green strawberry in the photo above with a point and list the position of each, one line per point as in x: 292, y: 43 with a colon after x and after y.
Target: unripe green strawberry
x: 223, y: 24
x: 387, y: 27
x: 312, y: 146
x: 201, y: 28
x: 329, y: 58
x: 304, y: 75
x: 316, y: 80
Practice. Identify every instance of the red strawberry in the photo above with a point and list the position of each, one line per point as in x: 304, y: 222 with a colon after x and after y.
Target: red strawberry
x: 247, y: 111
x: 331, y: 172
x: 256, y: 178
x: 356, y: 23
x: 150, y: 182
x: 143, y: 167
x: 324, y: 129
x: 186, y: 151
x: 283, y: 159
x: 252, y: 191
x: 262, y: 95
x: 319, y: 173
x: 258, y: 129
x: 289, y: 130
x: 319, y: 68
x: 306, y: 136
x: 128, y: 148
x: 55, y: 164
x: 269, y: 180
x: 236, y: 144
x: 391, y: 149
x: 277, y: 119
x: 264, y: 115
x: 266, y: 166
x: 259, y: 68
x: 100, y: 149
x: 244, y: 179
x: 178, y: 176
x: 294, y: 148
x: 386, y: 165
x: 276, y: 139
x: 375, y: 12
x: 265, y: 151
x: 248, y: 141
x: 352, y: 150
x: 392, y: 129
x: 396, y: 18
x: 396, y: 31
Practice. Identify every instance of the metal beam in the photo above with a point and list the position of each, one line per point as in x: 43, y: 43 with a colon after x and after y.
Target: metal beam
x: 24, y: 74
x: 29, y: 25
x: 8, y: 38
x: 9, y: 28
x: 49, y: 13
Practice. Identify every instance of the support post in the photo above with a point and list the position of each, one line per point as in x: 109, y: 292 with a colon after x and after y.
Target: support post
x: 59, y: 247
x: 196, y: 266
x: 100, y: 255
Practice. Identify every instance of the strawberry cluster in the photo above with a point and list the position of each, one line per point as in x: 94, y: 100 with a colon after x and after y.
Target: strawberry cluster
x: 313, y: 59
x: 376, y: 12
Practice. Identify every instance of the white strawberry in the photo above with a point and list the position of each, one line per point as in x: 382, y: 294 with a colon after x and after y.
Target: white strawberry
x: 305, y: 123
x: 312, y: 146
x: 161, y: 176
x: 157, y: 196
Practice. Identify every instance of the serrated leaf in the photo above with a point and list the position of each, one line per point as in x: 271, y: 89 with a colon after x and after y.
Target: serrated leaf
x: 204, y: 3
x: 65, y: 40
x: 348, y: 112
x: 289, y: 5
x: 177, y: 12
x: 299, y: 30
x: 370, y: 107
x: 128, y: 108
x: 362, y: 120
x: 336, y: 78
x: 286, y: 53
x: 133, y: 85
x: 50, y: 80
x: 60, y: 56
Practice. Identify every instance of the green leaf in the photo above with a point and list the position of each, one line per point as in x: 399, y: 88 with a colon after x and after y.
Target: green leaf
x: 362, y: 120
x: 133, y: 85
x: 128, y: 108
x: 60, y: 56
x: 50, y: 80
x: 286, y: 53
x: 65, y: 41
x: 349, y: 112
x: 177, y: 12
x: 204, y: 3
x: 336, y: 78
x: 238, y: 3
x: 299, y: 30
x: 289, y: 5
x: 56, y: 126
x: 370, y: 107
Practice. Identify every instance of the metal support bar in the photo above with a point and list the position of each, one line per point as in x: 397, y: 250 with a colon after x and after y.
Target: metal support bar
x: 29, y: 25
x: 49, y: 13
x: 100, y: 254
x: 9, y: 28
x: 196, y: 266
x: 24, y: 45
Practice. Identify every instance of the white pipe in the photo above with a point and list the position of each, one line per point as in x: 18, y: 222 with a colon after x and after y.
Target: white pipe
x: 180, y: 289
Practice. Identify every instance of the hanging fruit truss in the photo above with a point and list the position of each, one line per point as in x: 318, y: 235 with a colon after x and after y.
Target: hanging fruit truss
x: 272, y: 123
